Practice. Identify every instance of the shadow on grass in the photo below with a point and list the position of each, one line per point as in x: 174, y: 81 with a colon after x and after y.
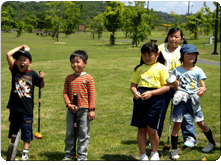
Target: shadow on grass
x: 112, y: 157
x: 128, y: 142
x: 4, y: 154
x: 53, y: 156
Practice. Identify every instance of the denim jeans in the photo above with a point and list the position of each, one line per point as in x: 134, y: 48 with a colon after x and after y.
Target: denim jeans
x: 187, y: 126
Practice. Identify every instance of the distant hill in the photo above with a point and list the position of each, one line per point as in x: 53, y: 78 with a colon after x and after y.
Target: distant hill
x: 90, y: 9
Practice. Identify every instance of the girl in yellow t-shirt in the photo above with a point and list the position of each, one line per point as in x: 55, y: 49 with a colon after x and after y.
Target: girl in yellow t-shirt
x: 148, y: 83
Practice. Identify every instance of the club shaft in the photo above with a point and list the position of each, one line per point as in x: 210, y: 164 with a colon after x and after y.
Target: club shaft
x: 75, y: 125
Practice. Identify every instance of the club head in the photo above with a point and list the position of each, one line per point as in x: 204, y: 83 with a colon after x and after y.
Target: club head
x: 166, y: 147
x: 38, y: 135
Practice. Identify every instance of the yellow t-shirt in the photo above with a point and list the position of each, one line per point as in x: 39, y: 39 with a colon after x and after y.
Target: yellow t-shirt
x: 151, y: 76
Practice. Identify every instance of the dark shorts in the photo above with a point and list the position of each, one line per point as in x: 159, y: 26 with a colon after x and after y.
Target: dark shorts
x: 146, y: 112
x: 18, y: 120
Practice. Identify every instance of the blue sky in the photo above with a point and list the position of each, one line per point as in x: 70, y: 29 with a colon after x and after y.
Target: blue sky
x: 179, y: 7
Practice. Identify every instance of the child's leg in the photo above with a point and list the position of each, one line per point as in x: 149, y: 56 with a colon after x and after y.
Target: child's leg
x: 83, y: 133
x: 206, y: 130
x: 141, y: 140
x: 174, y: 136
x: 26, y: 145
x: 154, y: 138
x: 69, y: 139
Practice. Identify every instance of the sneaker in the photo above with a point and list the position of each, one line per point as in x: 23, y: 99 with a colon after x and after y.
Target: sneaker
x: 144, y: 157
x: 208, y: 148
x: 174, y: 154
x: 154, y: 156
x: 190, y: 142
x: 81, y: 159
x: 25, y: 156
x: 66, y: 159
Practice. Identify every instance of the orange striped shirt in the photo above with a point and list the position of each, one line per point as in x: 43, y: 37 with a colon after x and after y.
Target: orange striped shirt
x: 83, y: 86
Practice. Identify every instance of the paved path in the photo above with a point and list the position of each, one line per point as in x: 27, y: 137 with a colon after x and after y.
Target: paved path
x: 208, y: 62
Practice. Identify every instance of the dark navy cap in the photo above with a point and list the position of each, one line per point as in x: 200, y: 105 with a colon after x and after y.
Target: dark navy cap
x: 24, y: 53
x: 189, y: 48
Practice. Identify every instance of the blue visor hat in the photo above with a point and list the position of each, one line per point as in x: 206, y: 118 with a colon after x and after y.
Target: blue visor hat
x: 189, y: 48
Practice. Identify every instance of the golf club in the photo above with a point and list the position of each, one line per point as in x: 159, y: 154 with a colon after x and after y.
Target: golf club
x: 38, y: 135
x: 167, y: 146
x: 75, y: 128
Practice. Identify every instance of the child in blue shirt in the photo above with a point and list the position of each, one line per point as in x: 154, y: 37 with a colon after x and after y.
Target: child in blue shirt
x: 186, y: 98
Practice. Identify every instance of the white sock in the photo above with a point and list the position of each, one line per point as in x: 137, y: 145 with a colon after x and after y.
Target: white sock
x: 25, y: 151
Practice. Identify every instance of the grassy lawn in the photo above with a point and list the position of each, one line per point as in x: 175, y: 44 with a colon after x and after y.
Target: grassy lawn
x: 111, y: 67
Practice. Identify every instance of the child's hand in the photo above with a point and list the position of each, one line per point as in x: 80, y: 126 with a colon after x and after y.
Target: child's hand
x: 73, y: 108
x: 137, y: 95
x: 41, y: 74
x: 146, y: 95
x: 25, y: 48
x: 175, y: 85
x: 91, y: 115
x: 201, y: 91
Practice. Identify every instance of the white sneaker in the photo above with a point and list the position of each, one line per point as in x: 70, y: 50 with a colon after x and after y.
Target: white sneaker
x: 66, y: 159
x: 190, y: 142
x: 81, y: 159
x: 208, y: 148
x: 144, y: 157
x: 174, y: 154
x: 154, y: 156
x: 24, y: 156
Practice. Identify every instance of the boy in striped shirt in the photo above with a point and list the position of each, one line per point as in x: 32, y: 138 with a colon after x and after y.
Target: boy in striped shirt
x: 82, y: 84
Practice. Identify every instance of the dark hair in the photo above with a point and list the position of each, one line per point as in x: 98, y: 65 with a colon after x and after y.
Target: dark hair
x: 80, y: 53
x: 148, y: 48
x: 182, y: 59
x: 173, y: 30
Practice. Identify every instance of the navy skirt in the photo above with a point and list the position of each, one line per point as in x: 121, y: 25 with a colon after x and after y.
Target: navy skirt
x: 146, y: 112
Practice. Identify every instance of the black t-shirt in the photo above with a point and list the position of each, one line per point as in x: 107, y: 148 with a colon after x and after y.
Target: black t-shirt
x: 22, y: 92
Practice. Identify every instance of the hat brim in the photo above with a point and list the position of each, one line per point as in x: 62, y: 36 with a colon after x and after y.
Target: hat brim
x: 18, y: 53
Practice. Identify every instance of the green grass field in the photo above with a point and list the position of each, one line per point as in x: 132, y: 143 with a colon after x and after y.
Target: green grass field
x: 112, y: 138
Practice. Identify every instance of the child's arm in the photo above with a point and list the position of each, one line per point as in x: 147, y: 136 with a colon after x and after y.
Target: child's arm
x: 91, y: 100
x: 202, y: 89
x: 133, y: 88
x: 11, y: 52
x: 148, y: 94
x: 67, y: 100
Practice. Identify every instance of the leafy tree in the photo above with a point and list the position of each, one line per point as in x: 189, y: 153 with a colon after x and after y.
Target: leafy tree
x: 41, y: 20
x: 31, y: 21
x: 113, y: 16
x: 7, y: 18
x: 71, y: 17
x: 20, y: 28
x: 98, y: 24
x: 139, y: 29
x: 177, y: 18
x: 48, y: 23
x: 126, y: 20
x: 65, y: 15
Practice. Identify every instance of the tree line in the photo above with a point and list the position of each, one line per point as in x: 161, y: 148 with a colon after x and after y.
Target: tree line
x: 65, y: 16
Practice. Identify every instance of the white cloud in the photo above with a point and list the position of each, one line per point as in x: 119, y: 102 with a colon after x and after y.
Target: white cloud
x: 171, y: 4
